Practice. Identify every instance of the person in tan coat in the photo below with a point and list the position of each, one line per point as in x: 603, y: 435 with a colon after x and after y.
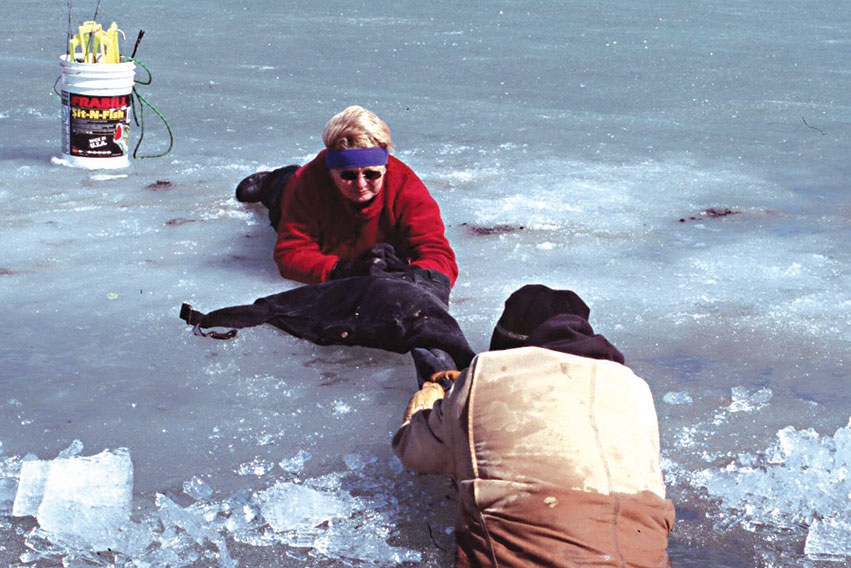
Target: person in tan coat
x: 553, y: 443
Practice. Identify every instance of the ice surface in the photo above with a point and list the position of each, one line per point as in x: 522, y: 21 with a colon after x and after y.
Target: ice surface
x: 596, y: 149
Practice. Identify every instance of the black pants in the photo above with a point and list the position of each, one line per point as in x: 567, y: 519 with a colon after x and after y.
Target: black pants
x: 273, y: 192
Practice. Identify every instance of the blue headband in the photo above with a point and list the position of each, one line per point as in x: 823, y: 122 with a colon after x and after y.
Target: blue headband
x: 356, y: 157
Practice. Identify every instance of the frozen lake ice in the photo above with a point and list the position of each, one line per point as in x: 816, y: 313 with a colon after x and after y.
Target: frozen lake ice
x: 682, y: 166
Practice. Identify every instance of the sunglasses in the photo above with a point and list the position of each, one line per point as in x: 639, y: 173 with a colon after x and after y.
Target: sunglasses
x: 369, y: 175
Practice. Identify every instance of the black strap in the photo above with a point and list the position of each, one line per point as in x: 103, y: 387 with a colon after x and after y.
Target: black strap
x: 193, y: 318
x: 230, y: 334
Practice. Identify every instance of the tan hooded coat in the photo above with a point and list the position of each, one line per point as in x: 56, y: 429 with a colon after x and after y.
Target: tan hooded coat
x: 556, y: 458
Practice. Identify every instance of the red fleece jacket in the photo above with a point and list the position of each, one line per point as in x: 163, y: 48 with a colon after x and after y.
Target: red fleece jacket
x: 319, y: 226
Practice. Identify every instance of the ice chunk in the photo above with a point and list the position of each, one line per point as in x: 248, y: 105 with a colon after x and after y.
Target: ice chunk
x: 75, y: 449
x: 396, y: 466
x: 295, y: 463
x: 677, y: 398
x: 198, y: 489
x: 173, y: 515
x: 7, y: 494
x: 88, y: 496
x: 800, y: 480
x: 30, y: 488
x: 85, y: 497
x: 287, y: 506
x: 829, y: 540
x: 746, y: 401
x: 367, y: 547
x: 332, y: 522
x: 358, y: 460
x: 33, y: 478
x: 48, y: 546
x: 76, y: 551
x: 257, y: 466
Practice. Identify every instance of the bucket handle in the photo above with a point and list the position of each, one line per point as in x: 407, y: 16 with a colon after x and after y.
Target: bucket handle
x: 140, y: 120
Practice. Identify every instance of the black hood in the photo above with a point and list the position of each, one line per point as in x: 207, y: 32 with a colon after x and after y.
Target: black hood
x: 536, y: 315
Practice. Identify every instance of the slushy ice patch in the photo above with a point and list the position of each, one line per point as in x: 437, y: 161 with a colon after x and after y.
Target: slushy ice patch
x: 83, y: 509
x: 796, y: 491
x: 799, y: 481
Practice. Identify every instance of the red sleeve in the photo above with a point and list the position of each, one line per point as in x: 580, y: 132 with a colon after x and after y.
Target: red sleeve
x: 297, y: 251
x: 423, y: 229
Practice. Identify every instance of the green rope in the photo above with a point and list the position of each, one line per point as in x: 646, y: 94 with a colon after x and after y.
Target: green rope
x: 140, y: 120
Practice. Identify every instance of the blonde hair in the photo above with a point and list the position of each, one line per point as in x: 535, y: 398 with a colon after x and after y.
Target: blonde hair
x: 356, y: 127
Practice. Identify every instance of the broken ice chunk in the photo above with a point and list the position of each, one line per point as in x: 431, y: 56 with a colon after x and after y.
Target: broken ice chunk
x: 287, y: 506
x: 359, y: 460
x: 257, y: 466
x: 829, y: 540
x: 30, y: 488
x: 198, y: 489
x: 746, y: 401
x: 295, y: 463
x: 73, y: 450
x: 172, y: 514
x: 87, y: 497
x: 674, y: 398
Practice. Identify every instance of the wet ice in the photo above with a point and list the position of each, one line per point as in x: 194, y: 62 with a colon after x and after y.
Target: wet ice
x: 564, y: 147
x: 316, y: 514
x: 800, y: 481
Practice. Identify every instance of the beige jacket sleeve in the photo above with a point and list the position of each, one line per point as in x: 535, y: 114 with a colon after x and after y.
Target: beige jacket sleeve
x: 434, y: 441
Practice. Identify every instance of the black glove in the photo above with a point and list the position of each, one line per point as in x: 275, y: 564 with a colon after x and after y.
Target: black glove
x: 376, y: 260
x: 348, y: 269
x: 387, y: 253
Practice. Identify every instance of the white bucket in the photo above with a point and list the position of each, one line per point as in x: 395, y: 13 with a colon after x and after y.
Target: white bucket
x: 96, y: 103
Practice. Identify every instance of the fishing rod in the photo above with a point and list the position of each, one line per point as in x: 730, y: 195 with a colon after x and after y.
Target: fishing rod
x: 92, y: 34
x: 136, y: 46
x: 68, y: 39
